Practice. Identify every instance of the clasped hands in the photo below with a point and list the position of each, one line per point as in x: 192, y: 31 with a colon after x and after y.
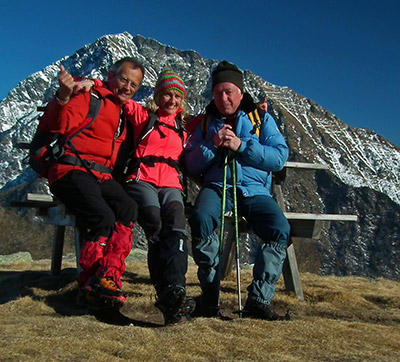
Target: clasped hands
x: 225, y: 137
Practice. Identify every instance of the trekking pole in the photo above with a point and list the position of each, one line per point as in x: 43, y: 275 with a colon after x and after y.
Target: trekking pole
x: 223, y: 204
x: 235, y: 216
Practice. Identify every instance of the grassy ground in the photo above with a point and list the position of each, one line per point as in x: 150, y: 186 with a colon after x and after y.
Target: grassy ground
x: 342, y: 319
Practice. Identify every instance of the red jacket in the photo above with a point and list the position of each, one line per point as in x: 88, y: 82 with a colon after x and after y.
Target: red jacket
x: 165, y: 143
x: 100, y: 142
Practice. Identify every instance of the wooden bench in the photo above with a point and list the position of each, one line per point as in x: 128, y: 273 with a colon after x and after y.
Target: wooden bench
x: 54, y: 213
x: 302, y: 225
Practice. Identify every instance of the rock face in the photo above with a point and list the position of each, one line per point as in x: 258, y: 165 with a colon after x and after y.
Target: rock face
x: 364, y: 167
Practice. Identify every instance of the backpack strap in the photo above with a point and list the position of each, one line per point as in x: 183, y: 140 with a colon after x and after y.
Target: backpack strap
x: 153, y: 119
x: 151, y: 160
x: 255, y: 118
x: 133, y: 163
x: 47, y: 147
x: 129, y: 161
x: 154, y: 122
x: 94, y: 109
x: 204, y: 124
x: 88, y: 165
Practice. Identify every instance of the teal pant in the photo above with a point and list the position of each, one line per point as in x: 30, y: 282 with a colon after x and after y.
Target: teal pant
x: 266, y: 220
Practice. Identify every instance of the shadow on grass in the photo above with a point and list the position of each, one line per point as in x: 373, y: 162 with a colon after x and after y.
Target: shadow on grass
x: 115, y: 317
x: 17, y: 284
x: 61, y: 294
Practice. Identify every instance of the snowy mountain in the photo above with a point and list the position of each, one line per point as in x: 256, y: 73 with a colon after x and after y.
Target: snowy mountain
x: 364, y: 167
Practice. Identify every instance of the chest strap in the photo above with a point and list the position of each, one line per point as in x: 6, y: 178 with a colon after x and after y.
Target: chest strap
x: 151, y: 160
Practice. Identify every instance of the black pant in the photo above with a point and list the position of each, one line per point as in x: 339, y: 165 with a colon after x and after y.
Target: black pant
x: 96, y: 206
x: 162, y: 217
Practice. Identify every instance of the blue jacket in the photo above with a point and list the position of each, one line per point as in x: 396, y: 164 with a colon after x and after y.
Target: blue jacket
x: 256, y: 158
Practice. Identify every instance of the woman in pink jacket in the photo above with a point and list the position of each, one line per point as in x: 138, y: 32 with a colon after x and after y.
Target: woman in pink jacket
x: 154, y: 182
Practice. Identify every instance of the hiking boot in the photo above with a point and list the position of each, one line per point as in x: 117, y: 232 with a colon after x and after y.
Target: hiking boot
x: 106, y: 289
x: 188, y: 307
x: 174, y: 305
x: 94, y: 303
x: 203, y: 310
x: 254, y: 309
x: 207, y: 304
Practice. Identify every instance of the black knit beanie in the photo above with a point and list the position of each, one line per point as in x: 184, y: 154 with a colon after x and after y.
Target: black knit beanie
x: 227, y: 72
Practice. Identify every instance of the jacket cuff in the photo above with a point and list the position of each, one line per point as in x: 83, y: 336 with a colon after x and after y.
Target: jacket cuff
x: 241, y: 148
x: 97, y: 83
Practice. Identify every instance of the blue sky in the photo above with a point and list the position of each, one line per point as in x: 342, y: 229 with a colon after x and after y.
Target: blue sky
x: 343, y: 54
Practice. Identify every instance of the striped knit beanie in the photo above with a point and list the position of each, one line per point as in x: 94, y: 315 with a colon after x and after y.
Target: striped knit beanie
x: 169, y: 80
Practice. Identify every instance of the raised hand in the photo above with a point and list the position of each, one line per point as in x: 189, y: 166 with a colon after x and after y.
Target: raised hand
x: 67, y: 84
x: 83, y: 86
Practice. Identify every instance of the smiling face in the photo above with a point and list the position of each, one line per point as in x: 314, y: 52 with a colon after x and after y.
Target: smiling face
x: 125, y: 84
x: 227, y: 98
x: 169, y: 101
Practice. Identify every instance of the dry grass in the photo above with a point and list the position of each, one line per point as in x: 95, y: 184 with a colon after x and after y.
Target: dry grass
x: 342, y: 319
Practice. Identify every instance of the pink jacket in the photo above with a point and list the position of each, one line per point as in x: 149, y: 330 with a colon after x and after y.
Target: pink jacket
x: 162, y: 142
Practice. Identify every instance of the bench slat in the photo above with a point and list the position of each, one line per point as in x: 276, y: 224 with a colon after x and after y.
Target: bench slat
x: 320, y: 217
x: 306, y: 166
x: 39, y: 197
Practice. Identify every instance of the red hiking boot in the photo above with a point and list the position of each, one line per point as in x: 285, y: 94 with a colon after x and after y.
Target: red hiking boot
x: 106, y: 290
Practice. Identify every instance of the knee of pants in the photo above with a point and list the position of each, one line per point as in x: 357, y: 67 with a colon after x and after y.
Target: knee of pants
x: 202, y: 224
x: 150, y: 220
x: 128, y: 212
x: 102, y: 225
x: 173, y: 216
x: 277, y: 232
x: 205, y: 250
x: 150, y: 215
x: 284, y: 231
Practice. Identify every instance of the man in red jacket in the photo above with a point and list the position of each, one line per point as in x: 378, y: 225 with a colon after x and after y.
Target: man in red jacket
x: 104, y: 211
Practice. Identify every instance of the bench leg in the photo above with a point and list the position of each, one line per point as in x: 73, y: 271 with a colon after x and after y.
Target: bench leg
x: 291, y: 274
x: 58, y: 246
x: 228, y: 254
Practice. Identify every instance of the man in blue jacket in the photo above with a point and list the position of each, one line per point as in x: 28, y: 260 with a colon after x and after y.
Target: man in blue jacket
x: 229, y: 129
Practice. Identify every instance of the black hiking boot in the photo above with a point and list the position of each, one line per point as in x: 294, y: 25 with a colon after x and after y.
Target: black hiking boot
x: 188, y: 307
x: 257, y: 310
x: 174, y: 305
x: 204, y: 310
x: 207, y: 304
